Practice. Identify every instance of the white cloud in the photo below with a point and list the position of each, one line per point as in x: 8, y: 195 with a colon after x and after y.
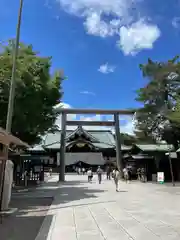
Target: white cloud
x: 88, y: 93
x: 96, y: 26
x: 62, y: 105
x: 82, y: 7
x: 127, y: 127
x: 138, y: 36
x: 95, y: 11
x: 69, y: 116
x: 106, y: 68
x: 107, y: 18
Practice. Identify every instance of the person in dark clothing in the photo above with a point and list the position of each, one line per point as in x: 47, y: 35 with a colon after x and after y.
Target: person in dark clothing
x: 130, y: 174
x: 143, y: 175
x: 108, y: 173
x: 139, y: 174
x: 99, y: 173
x: 129, y: 169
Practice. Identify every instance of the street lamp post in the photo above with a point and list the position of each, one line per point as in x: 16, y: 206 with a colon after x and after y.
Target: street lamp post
x: 11, y: 99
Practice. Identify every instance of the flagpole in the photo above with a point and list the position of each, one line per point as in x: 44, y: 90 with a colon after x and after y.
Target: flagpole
x: 11, y: 99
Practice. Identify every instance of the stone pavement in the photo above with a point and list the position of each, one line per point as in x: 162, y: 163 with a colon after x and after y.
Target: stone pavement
x: 84, y: 211
x: 27, y: 211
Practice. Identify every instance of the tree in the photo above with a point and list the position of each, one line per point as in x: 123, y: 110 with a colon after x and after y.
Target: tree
x: 158, y: 97
x: 37, y: 91
x: 137, y: 138
x: 142, y: 138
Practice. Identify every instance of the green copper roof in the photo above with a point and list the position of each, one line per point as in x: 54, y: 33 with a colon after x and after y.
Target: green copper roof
x: 81, y: 131
x: 36, y: 148
x: 105, y: 138
x: 126, y: 148
x: 103, y: 145
x: 155, y: 147
x: 99, y: 138
x: 98, y: 145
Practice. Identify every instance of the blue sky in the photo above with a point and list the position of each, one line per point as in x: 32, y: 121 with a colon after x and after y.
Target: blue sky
x: 98, y: 45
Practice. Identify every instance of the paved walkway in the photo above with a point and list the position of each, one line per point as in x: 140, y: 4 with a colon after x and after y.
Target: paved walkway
x: 28, y: 209
x: 84, y: 211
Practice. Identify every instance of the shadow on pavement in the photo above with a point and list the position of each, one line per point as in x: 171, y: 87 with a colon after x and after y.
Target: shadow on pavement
x: 33, y: 205
x: 25, y: 223
x: 72, y: 193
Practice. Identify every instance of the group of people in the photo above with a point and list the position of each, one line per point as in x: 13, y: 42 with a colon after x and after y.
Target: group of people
x: 80, y: 170
x: 141, y: 173
x: 115, y: 174
x: 127, y: 172
x: 99, y: 174
x: 110, y: 173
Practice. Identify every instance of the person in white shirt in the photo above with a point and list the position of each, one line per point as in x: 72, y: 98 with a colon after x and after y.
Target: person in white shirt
x: 116, y: 176
x: 83, y: 171
x: 90, y: 175
x: 126, y: 174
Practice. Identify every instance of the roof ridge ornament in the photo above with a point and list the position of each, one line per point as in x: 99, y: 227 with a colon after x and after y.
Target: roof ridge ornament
x: 80, y: 130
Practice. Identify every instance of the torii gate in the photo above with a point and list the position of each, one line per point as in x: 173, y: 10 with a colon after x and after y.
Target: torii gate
x: 114, y: 123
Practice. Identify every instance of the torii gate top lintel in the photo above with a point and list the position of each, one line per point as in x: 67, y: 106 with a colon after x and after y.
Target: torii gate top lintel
x: 96, y: 111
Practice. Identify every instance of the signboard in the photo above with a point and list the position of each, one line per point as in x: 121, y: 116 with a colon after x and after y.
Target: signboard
x: 160, y: 177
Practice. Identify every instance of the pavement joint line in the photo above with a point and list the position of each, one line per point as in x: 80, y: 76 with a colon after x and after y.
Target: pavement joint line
x: 96, y: 223
x: 74, y: 220
x: 131, y: 238
x: 171, y: 226
x: 43, y: 226
x: 130, y: 214
x: 49, y: 237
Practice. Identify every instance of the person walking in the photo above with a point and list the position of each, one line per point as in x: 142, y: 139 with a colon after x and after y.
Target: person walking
x: 83, y: 170
x: 143, y: 175
x: 129, y: 169
x: 99, y: 173
x: 90, y: 175
x: 126, y: 174
x: 79, y: 171
x: 50, y: 172
x: 108, y: 173
x: 116, y: 177
x: 139, y: 174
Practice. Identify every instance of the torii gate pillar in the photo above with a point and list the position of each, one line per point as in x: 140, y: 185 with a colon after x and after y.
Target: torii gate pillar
x: 119, y: 159
x: 62, y: 148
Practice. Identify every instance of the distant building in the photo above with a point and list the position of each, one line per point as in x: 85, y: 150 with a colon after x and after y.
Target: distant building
x: 83, y: 148
x: 90, y: 148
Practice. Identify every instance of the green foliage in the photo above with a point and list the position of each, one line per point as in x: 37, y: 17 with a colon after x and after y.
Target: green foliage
x: 142, y: 138
x: 138, y: 138
x: 159, y: 97
x: 35, y: 95
x: 174, y: 115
